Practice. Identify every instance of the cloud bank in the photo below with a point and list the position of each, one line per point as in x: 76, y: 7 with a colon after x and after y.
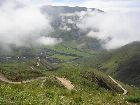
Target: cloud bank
x: 113, y: 5
x: 105, y: 5
x: 23, y: 25
x: 115, y: 29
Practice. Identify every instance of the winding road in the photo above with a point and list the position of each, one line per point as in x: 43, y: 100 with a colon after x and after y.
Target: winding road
x: 4, y: 79
x: 63, y: 81
x: 124, y: 90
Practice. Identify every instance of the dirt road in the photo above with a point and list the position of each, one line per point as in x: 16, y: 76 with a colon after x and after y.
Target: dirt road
x: 4, y: 79
x: 124, y: 90
x: 63, y: 81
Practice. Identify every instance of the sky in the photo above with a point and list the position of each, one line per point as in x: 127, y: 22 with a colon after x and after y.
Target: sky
x: 106, y: 5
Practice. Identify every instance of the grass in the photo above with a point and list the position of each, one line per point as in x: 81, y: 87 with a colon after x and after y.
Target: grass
x: 101, y: 80
x: 18, y: 71
x: 133, y: 99
x: 69, y: 49
x: 63, y: 57
x: 52, y: 92
x: 122, y: 63
x: 88, y: 91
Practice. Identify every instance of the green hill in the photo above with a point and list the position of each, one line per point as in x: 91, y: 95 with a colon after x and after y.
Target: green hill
x: 122, y: 63
x: 91, y: 85
x: 50, y: 91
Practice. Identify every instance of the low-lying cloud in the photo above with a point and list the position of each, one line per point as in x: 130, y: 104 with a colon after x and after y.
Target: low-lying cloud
x: 48, y: 41
x: 23, y: 25
x: 115, y: 29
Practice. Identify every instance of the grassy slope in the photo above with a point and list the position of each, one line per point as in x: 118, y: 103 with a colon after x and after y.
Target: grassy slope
x: 122, y: 63
x: 22, y: 70
x: 53, y: 93
x: 87, y: 92
x: 18, y: 70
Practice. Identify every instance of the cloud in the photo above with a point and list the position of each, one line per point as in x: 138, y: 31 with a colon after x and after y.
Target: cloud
x: 48, y: 41
x: 113, y: 5
x: 115, y: 29
x: 22, y: 25
x: 106, y: 5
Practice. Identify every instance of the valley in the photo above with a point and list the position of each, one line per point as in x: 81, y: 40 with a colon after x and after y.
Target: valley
x: 40, y: 75
x: 73, y: 67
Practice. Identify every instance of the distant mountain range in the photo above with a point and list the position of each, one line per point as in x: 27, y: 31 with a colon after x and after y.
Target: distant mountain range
x: 64, y: 22
x: 57, y: 10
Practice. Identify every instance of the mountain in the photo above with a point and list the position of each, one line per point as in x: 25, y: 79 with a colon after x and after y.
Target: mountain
x: 128, y: 70
x: 57, y: 10
x: 122, y: 63
x: 65, y: 20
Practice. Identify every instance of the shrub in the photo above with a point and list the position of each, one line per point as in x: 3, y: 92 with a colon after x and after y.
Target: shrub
x: 133, y: 99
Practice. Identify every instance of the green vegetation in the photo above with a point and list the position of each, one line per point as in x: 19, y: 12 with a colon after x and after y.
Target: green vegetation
x: 63, y: 58
x: 71, y: 49
x: 18, y: 71
x: 133, y: 99
x: 52, y: 93
x: 101, y: 80
x: 92, y: 87
x: 122, y: 63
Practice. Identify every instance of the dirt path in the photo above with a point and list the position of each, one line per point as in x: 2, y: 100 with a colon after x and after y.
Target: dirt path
x: 4, y: 79
x: 124, y: 90
x: 63, y: 81
x: 66, y: 83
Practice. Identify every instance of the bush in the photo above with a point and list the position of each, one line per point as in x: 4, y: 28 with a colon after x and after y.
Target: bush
x: 133, y: 99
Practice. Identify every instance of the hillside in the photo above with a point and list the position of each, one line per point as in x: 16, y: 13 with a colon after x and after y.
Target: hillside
x: 49, y: 90
x: 46, y: 63
x: 122, y: 63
